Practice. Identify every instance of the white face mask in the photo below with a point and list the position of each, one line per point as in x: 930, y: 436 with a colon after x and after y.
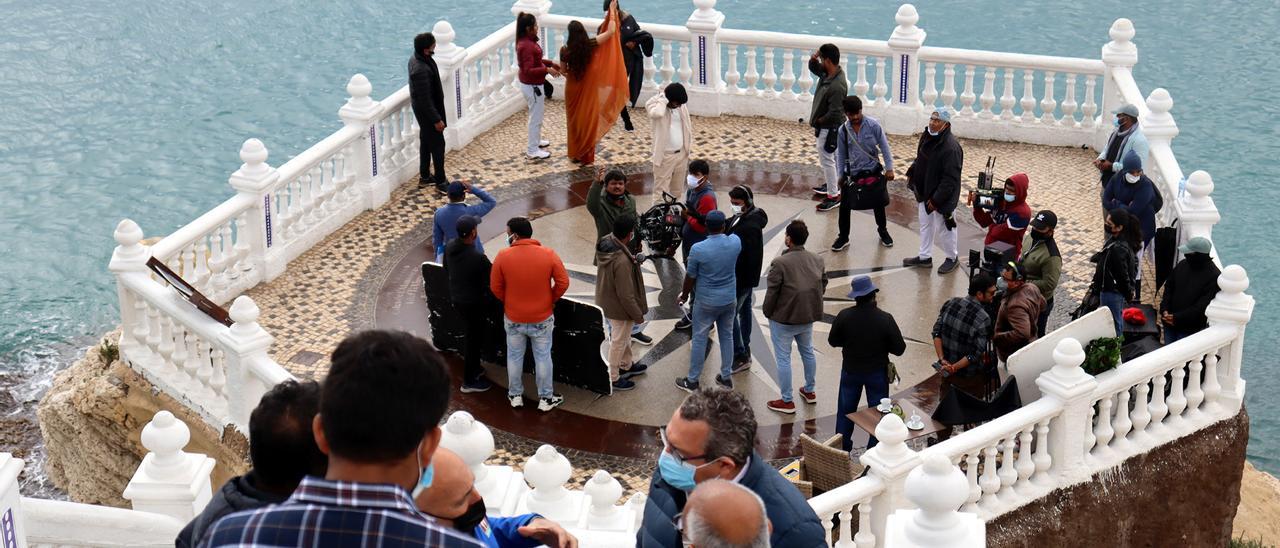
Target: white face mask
x: 932, y: 132
x: 693, y: 181
x: 1132, y: 178
x: 736, y: 209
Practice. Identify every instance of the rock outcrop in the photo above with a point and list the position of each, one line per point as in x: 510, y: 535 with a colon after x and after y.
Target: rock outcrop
x: 91, y: 420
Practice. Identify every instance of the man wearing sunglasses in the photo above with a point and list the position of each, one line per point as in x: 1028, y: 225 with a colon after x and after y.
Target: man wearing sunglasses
x: 711, y: 436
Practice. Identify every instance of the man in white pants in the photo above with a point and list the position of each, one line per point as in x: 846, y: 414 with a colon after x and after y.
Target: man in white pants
x: 934, y: 178
x: 825, y: 118
x: 533, y: 78
x: 672, y: 140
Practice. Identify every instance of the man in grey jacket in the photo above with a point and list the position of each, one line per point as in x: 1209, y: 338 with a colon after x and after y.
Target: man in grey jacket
x: 825, y: 118
x: 793, y: 301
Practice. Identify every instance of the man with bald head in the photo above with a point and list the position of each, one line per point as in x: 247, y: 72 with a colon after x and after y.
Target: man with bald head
x: 453, y: 500
x: 723, y: 514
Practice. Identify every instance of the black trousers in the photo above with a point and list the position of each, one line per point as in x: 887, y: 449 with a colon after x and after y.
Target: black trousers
x: 626, y: 116
x: 1043, y: 320
x: 431, y: 153
x: 473, y: 317
x: 846, y: 205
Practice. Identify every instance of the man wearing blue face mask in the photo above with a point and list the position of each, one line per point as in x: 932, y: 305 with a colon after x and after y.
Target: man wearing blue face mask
x: 1127, y: 137
x: 374, y: 463
x: 711, y: 436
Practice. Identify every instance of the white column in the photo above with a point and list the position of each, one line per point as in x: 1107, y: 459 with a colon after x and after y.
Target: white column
x: 1119, y: 53
x: 705, y: 84
x: 890, y: 460
x: 500, y: 486
x: 257, y: 179
x: 1073, y: 389
x: 1232, y: 307
x: 246, y: 342
x: 537, y: 7
x: 361, y: 112
x: 170, y: 481
x: 1197, y: 212
x: 13, y: 530
x: 449, y: 58
x: 129, y: 256
x: 937, y: 488
x: 905, y: 110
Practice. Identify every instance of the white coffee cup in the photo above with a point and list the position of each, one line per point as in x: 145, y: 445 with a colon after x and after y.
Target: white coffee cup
x: 886, y: 403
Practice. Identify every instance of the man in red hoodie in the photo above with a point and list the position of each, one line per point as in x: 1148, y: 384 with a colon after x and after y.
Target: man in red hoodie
x: 1008, y: 221
x: 528, y: 278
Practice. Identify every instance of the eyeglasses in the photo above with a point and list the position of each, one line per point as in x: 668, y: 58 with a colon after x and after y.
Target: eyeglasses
x: 666, y: 446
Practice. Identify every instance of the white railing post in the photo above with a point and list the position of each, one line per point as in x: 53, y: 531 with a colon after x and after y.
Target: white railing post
x: 937, y: 488
x: 13, y: 530
x: 1231, y: 307
x: 170, y: 481
x: 1160, y: 129
x: 706, y: 83
x: 449, y: 59
x: 906, y: 113
x: 1072, y: 388
x: 536, y: 7
x: 1120, y: 52
x: 360, y: 111
x: 246, y: 342
x: 1196, y: 211
x: 890, y: 461
x: 500, y: 486
x: 256, y: 178
x: 129, y: 256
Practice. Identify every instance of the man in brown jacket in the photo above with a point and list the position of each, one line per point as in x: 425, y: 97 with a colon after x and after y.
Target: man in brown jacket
x: 793, y: 301
x: 1019, y: 312
x: 620, y: 294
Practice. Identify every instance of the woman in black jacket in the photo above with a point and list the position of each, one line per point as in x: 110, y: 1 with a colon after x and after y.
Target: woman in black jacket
x: 1117, y: 264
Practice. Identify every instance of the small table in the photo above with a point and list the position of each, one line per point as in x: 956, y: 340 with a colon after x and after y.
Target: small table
x: 921, y: 399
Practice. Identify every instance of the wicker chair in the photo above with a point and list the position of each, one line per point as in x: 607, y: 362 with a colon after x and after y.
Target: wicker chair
x: 825, y: 464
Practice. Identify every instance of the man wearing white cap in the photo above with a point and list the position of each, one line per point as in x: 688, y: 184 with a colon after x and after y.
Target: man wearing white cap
x: 1127, y: 136
x: 934, y: 177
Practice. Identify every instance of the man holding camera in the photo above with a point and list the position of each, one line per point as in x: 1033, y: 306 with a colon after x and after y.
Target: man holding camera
x: 934, y: 178
x: 858, y: 145
x: 1007, y: 218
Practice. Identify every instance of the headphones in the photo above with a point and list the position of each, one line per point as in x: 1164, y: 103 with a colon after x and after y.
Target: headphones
x: 751, y: 197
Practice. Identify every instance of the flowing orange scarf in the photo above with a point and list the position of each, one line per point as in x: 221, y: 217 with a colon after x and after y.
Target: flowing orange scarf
x: 593, y: 103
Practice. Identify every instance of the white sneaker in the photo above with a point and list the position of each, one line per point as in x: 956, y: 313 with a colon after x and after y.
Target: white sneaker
x: 544, y: 143
x: 539, y: 155
x: 547, y: 404
x: 516, y: 401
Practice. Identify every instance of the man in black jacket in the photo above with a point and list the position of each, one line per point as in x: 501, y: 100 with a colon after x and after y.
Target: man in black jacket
x: 1191, y: 286
x: 468, y: 270
x: 427, y: 97
x: 934, y: 177
x: 866, y: 336
x: 282, y: 450
x: 748, y: 223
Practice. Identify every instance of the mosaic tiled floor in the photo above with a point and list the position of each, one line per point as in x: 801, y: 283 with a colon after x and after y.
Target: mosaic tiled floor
x: 334, y: 288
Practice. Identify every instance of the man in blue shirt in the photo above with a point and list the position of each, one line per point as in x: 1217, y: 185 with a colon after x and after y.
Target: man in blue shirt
x: 446, y: 220
x: 380, y: 410
x: 711, y: 267
x: 860, y: 145
x: 454, y: 501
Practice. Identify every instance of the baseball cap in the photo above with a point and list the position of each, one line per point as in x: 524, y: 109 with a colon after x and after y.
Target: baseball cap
x: 715, y: 219
x: 456, y: 189
x: 1044, y: 219
x: 467, y: 223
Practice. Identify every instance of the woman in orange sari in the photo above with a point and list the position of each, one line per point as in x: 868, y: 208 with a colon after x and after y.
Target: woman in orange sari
x: 595, y: 85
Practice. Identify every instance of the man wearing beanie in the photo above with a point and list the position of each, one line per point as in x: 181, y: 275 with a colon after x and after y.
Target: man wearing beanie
x: 711, y: 267
x: 934, y: 177
x: 444, y: 227
x: 1191, y: 286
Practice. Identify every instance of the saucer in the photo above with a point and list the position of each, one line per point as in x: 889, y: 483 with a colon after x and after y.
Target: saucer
x: 918, y: 426
x: 884, y: 409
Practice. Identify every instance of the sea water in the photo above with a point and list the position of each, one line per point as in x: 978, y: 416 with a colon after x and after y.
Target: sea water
x: 114, y: 109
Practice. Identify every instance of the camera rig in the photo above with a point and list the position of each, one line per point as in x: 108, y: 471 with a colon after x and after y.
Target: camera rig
x: 660, y: 226
x: 988, y: 195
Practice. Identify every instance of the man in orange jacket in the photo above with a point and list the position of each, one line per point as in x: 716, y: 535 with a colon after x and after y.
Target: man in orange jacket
x: 528, y: 278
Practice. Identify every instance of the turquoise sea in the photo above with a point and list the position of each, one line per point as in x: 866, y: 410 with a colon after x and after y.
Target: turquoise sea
x: 137, y: 109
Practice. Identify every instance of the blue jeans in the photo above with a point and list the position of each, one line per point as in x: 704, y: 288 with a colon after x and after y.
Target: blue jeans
x: 782, y: 334
x: 703, y: 317
x: 1172, y: 335
x: 851, y: 385
x: 1114, y: 302
x: 742, y: 325
x: 520, y: 334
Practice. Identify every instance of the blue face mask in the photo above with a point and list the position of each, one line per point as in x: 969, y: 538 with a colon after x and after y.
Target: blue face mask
x: 1116, y: 122
x: 1009, y: 197
x: 425, y: 477
x: 676, y: 473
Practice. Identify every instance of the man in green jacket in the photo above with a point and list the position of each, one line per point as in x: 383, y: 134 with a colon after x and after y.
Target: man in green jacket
x: 607, y: 201
x: 1042, y: 262
x: 620, y: 294
x: 825, y: 118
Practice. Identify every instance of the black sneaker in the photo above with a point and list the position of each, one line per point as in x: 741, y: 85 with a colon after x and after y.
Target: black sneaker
x: 741, y: 365
x: 479, y: 385
x: 948, y: 265
x: 547, y: 404
x: 885, y: 239
x: 635, y: 371
x: 828, y: 204
x: 622, y: 385
x: 684, y: 323
x: 642, y: 338
x: 627, y: 126
x: 918, y: 262
x: 724, y: 382
x: 840, y: 245
x: 687, y: 385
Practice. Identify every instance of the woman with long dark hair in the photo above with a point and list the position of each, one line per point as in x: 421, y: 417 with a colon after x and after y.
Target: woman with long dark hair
x: 1117, y: 264
x: 595, y: 85
x: 533, y: 77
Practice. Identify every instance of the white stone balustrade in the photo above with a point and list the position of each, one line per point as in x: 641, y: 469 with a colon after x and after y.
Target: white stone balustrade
x: 501, y: 486
x: 937, y: 489
x: 170, y: 481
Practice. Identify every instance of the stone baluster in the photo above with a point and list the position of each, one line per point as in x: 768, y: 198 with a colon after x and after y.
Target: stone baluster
x: 1194, y: 393
x: 881, y: 89
x: 15, y: 530
x: 1212, y: 387
x: 988, y: 98
x: 936, y: 489
x: 170, y: 481
x: 362, y: 112
x: 1006, y: 99
x: 256, y: 179
x: 200, y: 247
x: 472, y: 87
x: 705, y: 80
x: 1028, y: 102
x: 1103, y: 432
x: 1141, y: 411
x: 1090, y: 437
x: 1043, y: 460
x: 668, y: 69
x: 1047, y: 103
x: 967, y: 98
x: 636, y: 504
x: 1026, y: 465
x: 154, y: 329
x: 184, y: 356
x: 131, y: 256
x: 389, y: 129
x: 989, y: 480
x: 204, y: 369
x: 141, y: 330
x: 1118, y: 54
x: 187, y: 258
x: 770, y: 74
x: 221, y: 255
x: 807, y: 81
x: 1069, y: 103
x: 686, y: 70
x: 864, y: 538
x: 1159, y: 406
x: 244, y: 343
x: 1121, y: 424
x: 861, y: 86
x: 949, y: 85
x: 732, y: 76
x: 547, y: 471
x: 1071, y: 388
x: 890, y: 461
x: 1177, y: 400
x: 752, y: 75
x: 904, y: 46
x: 929, y: 95
x: 218, y: 380
x: 1090, y: 106
x: 788, y: 79
x: 1232, y: 307
x: 1008, y: 472
x: 971, y: 475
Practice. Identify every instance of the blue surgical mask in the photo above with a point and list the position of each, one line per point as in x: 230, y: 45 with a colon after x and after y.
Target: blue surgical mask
x: 1116, y: 121
x: 677, y: 474
x: 1009, y: 197
x: 425, y: 477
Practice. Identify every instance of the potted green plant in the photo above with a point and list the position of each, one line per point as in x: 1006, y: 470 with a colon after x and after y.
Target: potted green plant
x: 1102, y: 354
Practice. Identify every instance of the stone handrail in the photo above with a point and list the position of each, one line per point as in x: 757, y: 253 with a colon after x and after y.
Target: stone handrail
x: 840, y: 502
x: 51, y: 523
x: 213, y: 252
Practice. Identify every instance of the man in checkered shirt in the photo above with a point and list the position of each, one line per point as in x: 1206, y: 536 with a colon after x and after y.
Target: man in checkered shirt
x: 961, y: 334
x: 380, y: 408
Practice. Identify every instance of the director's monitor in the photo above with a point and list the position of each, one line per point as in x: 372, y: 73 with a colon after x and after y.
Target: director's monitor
x: 189, y: 292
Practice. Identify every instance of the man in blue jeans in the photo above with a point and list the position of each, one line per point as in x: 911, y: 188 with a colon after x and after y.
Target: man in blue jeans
x: 792, y: 302
x: 711, y: 267
x: 866, y: 336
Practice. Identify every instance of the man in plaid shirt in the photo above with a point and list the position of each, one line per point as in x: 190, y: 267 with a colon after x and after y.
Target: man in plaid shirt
x: 960, y: 337
x: 380, y: 408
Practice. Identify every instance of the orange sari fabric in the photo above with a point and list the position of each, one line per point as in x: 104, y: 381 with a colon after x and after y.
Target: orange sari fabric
x: 593, y: 103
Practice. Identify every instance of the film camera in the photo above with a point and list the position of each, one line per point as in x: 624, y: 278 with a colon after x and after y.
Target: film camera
x: 988, y: 195
x: 992, y: 259
x: 660, y: 226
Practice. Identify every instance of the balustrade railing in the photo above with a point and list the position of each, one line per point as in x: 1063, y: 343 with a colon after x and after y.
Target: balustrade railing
x: 850, y: 503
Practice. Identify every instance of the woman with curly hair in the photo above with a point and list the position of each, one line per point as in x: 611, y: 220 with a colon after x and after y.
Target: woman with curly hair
x: 596, y: 86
